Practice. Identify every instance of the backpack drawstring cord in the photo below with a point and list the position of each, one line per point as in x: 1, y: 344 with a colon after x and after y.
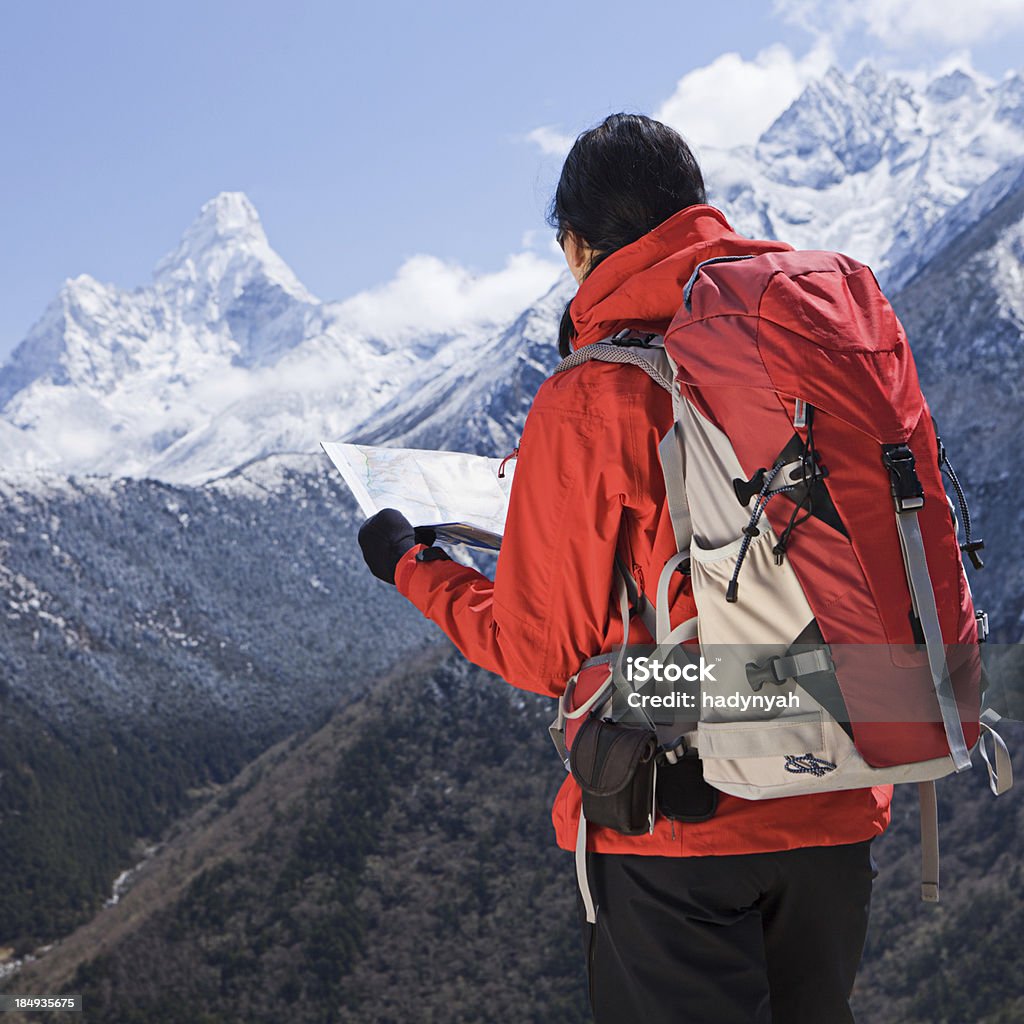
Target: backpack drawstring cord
x: 970, y: 547
x: 810, y: 459
x: 750, y: 531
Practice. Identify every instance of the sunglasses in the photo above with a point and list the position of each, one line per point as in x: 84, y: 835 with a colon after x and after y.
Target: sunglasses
x: 560, y: 238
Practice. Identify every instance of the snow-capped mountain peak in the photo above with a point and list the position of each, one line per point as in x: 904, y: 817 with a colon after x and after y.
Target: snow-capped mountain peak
x: 867, y: 162
x: 227, y: 216
x: 224, y: 249
x: 838, y: 127
x: 1009, y: 96
x: 954, y: 85
x: 226, y: 356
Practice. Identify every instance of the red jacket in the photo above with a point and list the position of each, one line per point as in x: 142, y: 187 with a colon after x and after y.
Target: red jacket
x: 587, y: 482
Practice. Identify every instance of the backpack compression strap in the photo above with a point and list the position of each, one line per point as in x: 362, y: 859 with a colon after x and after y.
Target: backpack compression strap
x: 929, y: 841
x: 1000, y: 779
x: 908, y: 496
x: 998, y: 763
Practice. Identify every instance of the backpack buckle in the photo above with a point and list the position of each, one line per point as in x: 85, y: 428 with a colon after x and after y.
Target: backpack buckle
x: 631, y: 338
x: 780, y: 668
x: 971, y: 549
x: 758, y: 675
x: 981, y: 618
x: 673, y: 751
x: 907, y: 492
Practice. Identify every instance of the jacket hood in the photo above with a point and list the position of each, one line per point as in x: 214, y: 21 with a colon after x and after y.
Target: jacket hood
x: 641, y: 285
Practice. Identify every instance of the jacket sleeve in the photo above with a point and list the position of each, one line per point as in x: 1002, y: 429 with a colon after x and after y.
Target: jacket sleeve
x: 549, y: 607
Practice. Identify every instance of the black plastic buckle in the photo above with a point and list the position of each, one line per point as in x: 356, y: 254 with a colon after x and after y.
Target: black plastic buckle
x: 807, y: 470
x: 758, y: 675
x: 906, y: 487
x: 971, y: 550
x: 629, y: 338
x: 746, y: 489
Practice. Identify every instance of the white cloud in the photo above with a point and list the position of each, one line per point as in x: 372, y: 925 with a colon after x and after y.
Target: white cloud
x: 728, y: 102
x: 428, y: 294
x: 953, y: 60
x: 904, y: 24
x: 731, y: 101
x: 550, y: 140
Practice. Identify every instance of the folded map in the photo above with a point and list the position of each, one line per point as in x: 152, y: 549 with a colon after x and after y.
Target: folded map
x: 461, y: 496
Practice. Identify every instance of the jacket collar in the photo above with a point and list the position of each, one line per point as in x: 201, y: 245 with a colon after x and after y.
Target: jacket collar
x: 641, y: 285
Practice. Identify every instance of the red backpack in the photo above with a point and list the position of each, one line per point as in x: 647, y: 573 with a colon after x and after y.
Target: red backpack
x: 804, y: 480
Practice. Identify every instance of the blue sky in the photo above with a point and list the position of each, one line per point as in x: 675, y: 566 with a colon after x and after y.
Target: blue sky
x: 366, y: 134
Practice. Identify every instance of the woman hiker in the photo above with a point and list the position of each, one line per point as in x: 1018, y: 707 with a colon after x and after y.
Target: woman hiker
x: 758, y: 913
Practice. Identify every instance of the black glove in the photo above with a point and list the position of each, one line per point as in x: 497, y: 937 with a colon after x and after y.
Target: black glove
x: 385, y: 537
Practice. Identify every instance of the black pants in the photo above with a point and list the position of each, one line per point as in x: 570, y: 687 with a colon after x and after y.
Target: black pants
x: 749, y: 939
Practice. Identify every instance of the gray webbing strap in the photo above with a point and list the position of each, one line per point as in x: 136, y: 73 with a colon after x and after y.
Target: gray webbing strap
x: 805, y: 663
x: 581, y: 832
x: 929, y: 842
x: 641, y: 602
x: 1000, y: 774
x: 664, y: 624
x: 684, y: 631
x: 652, y: 360
x: 924, y: 605
x: 619, y: 680
x: 670, y: 453
x: 600, y: 695
x: 581, y: 869
x: 618, y: 672
x: 556, y: 730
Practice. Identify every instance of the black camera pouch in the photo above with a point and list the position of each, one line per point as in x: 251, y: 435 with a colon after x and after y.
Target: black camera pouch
x: 615, y: 767
x: 683, y: 795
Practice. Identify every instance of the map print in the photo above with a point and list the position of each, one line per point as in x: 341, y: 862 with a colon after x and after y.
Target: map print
x: 460, y: 495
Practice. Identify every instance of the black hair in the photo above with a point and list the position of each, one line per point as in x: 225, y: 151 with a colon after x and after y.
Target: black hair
x: 621, y: 179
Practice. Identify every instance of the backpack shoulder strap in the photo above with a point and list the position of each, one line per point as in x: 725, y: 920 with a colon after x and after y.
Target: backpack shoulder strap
x: 647, y: 352
x: 649, y: 356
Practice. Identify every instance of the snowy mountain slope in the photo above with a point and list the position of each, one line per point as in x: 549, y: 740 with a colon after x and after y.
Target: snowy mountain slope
x: 866, y: 164
x: 155, y: 638
x: 971, y: 210
x: 964, y: 315
x: 223, y: 358
x: 478, y: 403
x: 139, y: 601
x: 226, y: 357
